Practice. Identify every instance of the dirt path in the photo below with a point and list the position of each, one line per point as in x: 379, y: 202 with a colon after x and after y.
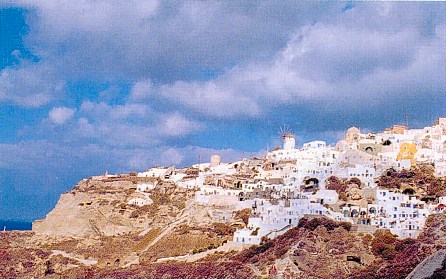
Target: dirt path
x: 185, y: 214
x: 229, y: 246
x: 256, y: 271
x: 74, y: 257
x: 427, y: 267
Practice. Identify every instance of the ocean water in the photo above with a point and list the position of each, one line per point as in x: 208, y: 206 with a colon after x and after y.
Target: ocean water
x: 12, y: 225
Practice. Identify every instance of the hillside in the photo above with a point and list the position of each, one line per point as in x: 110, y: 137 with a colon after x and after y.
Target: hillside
x: 97, y: 231
x: 99, y: 207
x: 317, y: 248
x: 95, y: 225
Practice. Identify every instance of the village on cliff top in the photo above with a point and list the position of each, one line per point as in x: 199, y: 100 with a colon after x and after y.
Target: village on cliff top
x: 290, y: 183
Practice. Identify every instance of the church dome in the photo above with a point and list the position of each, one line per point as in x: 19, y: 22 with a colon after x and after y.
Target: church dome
x: 353, y: 130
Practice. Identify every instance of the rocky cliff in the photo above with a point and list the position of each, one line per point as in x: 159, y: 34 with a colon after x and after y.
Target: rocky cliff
x: 95, y: 232
x: 100, y: 206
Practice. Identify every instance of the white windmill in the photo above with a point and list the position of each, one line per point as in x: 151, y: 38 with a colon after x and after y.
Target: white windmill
x: 289, y: 140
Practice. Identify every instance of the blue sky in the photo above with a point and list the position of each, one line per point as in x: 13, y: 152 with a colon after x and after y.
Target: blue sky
x: 94, y: 86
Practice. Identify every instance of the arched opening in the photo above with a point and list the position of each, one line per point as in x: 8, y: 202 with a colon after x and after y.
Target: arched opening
x: 356, y: 259
x: 369, y: 150
x: 386, y: 143
x: 390, y: 172
x: 409, y: 191
x: 311, y: 184
x: 241, y: 196
x: 312, y: 181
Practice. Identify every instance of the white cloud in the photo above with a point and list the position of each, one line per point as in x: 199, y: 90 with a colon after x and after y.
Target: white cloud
x: 141, y: 90
x: 159, y: 40
x: 132, y: 124
x: 111, y: 113
x: 176, y: 125
x: 130, y: 111
x: 324, y: 62
x: 30, y: 85
x: 193, y: 63
x: 84, y: 128
x: 211, y: 98
x: 89, y: 16
x: 194, y: 153
x: 60, y: 115
x: 171, y: 156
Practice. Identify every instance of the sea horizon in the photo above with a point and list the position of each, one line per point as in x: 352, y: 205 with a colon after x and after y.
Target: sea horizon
x: 15, y: 225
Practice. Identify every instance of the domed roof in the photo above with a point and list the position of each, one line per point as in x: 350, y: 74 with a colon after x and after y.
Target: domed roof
x: 341, y: 145
x: 353, y: 130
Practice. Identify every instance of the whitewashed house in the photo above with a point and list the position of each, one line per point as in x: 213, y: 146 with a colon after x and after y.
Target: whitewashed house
x: 275, y: 219
x: 366, y: 174
x: 147, y: 186
x: 140, y: 201
x: 402, y: 214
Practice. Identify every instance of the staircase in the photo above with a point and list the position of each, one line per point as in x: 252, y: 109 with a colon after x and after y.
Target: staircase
x: 427, y: 267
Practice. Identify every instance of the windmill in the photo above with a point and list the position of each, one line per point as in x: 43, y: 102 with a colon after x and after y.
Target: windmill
x: 289, y: 141
x: 287, y: 138
x: 285, y: 131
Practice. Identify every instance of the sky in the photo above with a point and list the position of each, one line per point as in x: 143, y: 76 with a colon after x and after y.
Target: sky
x: 93, y: 86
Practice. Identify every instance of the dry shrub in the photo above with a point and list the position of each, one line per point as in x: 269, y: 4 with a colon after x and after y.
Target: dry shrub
x: 223, y: 229
x: 243, y: 215
x: 329, y: 224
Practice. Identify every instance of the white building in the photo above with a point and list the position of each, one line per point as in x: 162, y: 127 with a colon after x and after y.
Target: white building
x: 144, y: 187
x: 163, y: 172
x: 140, y: 201
x: 324, y: 196
x: 402, y: 214
x: 275, y: 219
x: 366, y: 174
x: 192, y: 183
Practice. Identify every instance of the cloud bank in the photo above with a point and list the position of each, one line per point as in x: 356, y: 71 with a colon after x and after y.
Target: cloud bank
x: 107, y: 85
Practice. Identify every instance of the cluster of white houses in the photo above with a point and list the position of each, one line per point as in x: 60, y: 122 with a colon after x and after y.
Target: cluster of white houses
x: 289, y: 182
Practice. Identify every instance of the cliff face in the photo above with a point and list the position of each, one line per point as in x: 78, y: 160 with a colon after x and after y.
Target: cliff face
x: 100, y: 207
x: 318, y: 248
x: 68, y: 218
x: 92, y: 208
x: 95, y: 232
x: 95, y: 225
